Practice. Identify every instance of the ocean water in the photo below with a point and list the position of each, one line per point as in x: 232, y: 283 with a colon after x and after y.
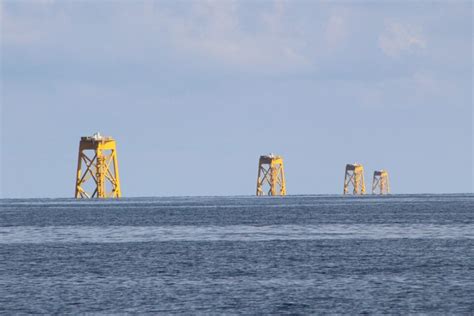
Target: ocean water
x: 239, y: 255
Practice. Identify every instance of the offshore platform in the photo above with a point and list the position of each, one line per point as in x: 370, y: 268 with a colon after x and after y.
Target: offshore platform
x: 271, y: 176
x: 354, y: 177
x: 97, y: 173
x: 380, y: 182
x: 97, y: 168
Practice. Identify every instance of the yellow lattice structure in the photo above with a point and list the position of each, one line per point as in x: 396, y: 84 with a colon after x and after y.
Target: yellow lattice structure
x: 97, y: 168
x: 380, y: 182
x: 354, y: 177
x: 271, y: 176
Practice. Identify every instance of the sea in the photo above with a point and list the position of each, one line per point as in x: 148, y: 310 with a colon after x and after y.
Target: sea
x: 299, y: 255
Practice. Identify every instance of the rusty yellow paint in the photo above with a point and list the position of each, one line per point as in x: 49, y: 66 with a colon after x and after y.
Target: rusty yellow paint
x: 354, y: 176
x: 271, y: 174
x: 97, y: 162
x: 380, y: 182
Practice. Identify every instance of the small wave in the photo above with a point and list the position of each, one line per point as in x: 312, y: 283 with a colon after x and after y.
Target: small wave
x: 124, y: 234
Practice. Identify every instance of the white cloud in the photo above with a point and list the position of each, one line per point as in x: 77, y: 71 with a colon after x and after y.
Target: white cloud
x: 16, y: 31
x: 400, y: 38
x: 215, y: 30
x: 428, y: 84
x: 226, y: 32
x: 336, y: 31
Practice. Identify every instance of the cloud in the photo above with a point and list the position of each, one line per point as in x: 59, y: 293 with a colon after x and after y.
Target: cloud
x: 237, y: 34
x: 16, y: 31
x: 400, y: 38
x: 429, y: 84
x: 336, y: 31
x: 215, y: 29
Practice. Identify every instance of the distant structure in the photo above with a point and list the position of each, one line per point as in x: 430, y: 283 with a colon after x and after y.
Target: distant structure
x: 380, y: 182
x: 271, y: 176
x: 354, y: 177
x: 97, y: 168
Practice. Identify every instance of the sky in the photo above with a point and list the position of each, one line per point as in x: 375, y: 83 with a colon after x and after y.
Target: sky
x: 195, y: 91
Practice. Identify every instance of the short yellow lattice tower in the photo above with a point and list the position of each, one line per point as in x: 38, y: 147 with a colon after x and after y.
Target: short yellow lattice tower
x: 271, y: 176
x: 97, y: 168
x: 354, y: 177
x: 380, y: 182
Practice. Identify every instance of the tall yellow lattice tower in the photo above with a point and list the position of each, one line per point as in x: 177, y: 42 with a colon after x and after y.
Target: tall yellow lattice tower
x: 97, y: 160
x: 271, y: 176
x: 380, y: 182
x: 354, y: 177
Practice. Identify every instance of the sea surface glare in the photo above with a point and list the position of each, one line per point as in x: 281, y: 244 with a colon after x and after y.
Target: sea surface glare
x: 218, y: 255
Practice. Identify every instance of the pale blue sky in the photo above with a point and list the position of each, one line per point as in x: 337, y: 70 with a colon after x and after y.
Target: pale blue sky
x: 195, y: 91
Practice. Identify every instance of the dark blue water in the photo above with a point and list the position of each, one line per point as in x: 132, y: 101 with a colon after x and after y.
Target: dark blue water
x: 298, y: 255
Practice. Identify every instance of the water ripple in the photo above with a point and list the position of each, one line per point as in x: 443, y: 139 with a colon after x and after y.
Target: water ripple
x: 123, y: 234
